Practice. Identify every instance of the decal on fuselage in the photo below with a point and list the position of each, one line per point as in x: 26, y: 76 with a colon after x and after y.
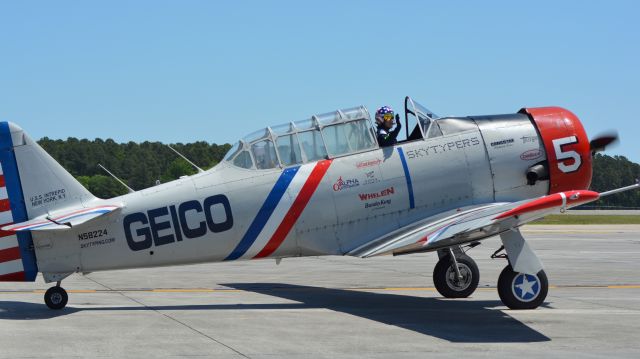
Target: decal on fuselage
x: 437, y: 149
x: 45, y: 198
x: 562, y: 155
x: 532, y: 154
x: 508, y: 142
x: 147, y: 226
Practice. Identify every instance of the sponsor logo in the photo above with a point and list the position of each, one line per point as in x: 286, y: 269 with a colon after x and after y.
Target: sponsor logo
x: 375, y: 195
x: 528, y: 139
x: 445, y: 147
x: 531, y: 155
x: 165, y: 225
x: 370, y: 178
x: 368, y: 163
x: 377, y: 204
x: 503, y: 143
x: 344, y: 184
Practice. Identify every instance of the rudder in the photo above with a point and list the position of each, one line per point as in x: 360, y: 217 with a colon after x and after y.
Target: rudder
x: 32, y: 185
x: 17, y: 257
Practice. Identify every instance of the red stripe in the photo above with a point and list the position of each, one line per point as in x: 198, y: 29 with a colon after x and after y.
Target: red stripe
x: 296, y: 209
x: 12, y: 277
x: 5, y: 205
x: 6, y: 233
x: 9, y: 254
x: 2, y: 181
x: 551, y: 201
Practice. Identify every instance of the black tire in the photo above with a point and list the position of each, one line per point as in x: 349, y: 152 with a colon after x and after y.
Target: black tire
x: 512, y: 294
x: 446, y: 279
x: 56, y: 298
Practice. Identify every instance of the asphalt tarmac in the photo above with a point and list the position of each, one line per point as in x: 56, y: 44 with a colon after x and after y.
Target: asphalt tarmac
x: 340, y: 307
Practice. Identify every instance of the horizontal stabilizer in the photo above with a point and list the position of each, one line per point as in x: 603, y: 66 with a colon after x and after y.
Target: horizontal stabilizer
x: 61, y: 220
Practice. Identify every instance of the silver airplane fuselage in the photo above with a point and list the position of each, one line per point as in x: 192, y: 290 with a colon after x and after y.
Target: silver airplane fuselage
x: 325, y: 207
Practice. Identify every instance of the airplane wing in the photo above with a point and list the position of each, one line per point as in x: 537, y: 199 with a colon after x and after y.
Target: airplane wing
x: 475, y: 223
x: 62, y: 220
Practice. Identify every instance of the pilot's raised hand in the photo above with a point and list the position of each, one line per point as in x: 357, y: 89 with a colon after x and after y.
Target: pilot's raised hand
x: 398, y: 120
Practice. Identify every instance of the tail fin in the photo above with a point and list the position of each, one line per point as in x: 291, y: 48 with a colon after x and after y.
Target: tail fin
x: 32, y: 184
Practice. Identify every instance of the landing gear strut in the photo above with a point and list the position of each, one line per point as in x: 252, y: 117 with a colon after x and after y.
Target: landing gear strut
x: 456, y: 275
x: 56, y: 297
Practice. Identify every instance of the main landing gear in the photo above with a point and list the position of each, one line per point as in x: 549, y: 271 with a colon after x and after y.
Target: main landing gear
x: 521, y: 290
x: 456, y: 275
x: 56, y: 297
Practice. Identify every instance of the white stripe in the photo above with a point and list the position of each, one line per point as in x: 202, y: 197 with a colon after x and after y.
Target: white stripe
x: 1, y: 171
x: 8, y: 242
x: 281, y: 210
x: 3, y: 193
x: 564, y: 201
x: 6, y: 217
x: 11, y: 267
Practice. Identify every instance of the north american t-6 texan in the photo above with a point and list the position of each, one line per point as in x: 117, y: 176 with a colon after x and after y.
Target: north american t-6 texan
x: 319, y: 186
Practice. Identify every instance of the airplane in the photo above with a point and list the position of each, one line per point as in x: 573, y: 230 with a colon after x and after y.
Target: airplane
x: 315, y: 187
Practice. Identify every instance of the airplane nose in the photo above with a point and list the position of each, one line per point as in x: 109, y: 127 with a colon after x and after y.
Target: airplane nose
x: 566, y: 145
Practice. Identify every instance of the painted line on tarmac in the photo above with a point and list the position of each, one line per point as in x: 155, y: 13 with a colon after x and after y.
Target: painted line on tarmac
x: 274, y: 289
x: 577, y: 231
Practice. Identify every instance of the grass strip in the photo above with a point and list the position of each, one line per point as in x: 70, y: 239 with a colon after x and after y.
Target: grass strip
x: 562, y: 219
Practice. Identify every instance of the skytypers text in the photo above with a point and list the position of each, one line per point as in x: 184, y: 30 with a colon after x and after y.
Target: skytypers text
x: 442, y: 148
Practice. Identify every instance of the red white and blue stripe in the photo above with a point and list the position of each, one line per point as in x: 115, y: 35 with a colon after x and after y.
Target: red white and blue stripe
x: 17, y: 258
x: 280, y: 211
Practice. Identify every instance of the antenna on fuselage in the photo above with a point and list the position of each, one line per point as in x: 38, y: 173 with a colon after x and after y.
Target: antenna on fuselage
x: 116, y: 178
x: 200, y: 170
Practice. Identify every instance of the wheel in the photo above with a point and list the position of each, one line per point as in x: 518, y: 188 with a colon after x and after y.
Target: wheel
x: 446, y: 279
x: 522, y: 291
x: 56, y: 297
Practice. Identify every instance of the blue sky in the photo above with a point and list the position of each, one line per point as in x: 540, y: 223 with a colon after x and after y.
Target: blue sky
x: 182, y: 71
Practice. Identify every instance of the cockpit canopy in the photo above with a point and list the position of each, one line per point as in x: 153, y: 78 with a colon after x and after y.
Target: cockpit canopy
x: 334, y: 134
x: 322, y: 136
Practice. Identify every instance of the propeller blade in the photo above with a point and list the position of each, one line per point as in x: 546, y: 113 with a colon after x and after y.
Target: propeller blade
x: 599, y: 143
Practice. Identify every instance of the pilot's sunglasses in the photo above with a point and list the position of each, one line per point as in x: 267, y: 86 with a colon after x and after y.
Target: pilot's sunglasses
x: 388, y: 116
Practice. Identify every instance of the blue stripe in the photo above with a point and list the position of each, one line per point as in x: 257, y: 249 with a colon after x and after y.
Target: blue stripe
x: 264, y: 213
x: 16, y: 199
x: 407, y: 175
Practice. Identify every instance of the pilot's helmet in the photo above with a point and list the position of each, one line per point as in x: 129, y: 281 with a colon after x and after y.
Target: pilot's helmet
x: 384, y: 114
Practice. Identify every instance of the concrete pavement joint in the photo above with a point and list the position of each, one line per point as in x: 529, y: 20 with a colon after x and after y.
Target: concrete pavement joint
x: 170, y: 318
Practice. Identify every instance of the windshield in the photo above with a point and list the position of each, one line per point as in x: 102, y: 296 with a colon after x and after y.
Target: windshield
x: 419, y: 120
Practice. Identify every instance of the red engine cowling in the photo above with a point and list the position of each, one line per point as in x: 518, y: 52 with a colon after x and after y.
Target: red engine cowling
x: 567, y: 147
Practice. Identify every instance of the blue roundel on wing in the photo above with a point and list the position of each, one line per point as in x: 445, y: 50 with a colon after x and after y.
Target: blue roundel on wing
x: 526, y: 287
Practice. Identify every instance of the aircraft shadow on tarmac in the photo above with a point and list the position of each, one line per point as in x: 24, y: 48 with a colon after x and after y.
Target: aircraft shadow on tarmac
x: 464, y: 321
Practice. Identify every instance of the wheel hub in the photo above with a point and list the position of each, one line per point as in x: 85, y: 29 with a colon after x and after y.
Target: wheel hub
x: 459, y: 284
x: 525, y: 287
x: 56, y: 298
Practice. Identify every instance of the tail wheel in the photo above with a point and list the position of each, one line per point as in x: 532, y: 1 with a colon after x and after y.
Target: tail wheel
x: 522, y: 291
x: 56, y: 297
x: 447, y: 282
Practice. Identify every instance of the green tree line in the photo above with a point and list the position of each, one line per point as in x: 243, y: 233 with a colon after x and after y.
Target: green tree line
x: 140, y: 165
x: 611, y: 173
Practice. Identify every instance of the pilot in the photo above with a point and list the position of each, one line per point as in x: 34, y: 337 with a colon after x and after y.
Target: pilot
x: 384, y: 120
